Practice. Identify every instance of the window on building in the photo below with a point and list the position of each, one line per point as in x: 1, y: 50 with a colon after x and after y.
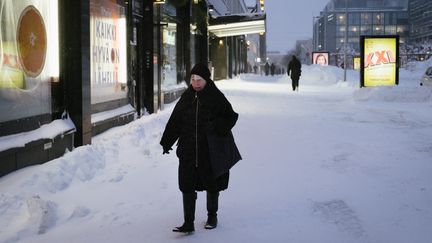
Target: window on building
x: 353, y: 41
x: 354, y: 19
x: 341, y: 31
x: 341, y: 18
x: 401, y: 29
x: 378, y: 30
x: 390, y: 18
x: 169, y: 69
x: 366, y: 18
x: 402, y: 18
x: 365, y: 30
x: 390, y: 29
x: 108, y: 62
x: 354, y: 30
x: 378, y: 18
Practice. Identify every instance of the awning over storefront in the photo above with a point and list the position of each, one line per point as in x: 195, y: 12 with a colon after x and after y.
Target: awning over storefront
x: 232, y: 25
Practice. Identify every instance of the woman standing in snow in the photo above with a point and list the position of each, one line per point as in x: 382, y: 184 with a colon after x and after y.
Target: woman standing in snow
x: 201, y: 122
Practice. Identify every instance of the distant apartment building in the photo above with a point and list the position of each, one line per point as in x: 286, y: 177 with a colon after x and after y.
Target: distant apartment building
x: 346, y: 20
x: 420, y: 14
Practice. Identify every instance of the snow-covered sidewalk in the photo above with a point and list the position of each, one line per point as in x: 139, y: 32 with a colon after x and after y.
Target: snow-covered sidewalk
x: 330, y: 163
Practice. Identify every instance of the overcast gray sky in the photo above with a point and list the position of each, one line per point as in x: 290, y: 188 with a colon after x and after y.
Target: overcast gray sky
x: 289, y: 20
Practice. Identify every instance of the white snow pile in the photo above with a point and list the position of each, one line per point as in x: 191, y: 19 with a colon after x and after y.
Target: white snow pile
x: 25, y: 207
x: 320, y: 75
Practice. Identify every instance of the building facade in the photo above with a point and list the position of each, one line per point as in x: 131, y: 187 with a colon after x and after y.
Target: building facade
x: 420, y: 13
x: 230, y: 25
x: 256, y: 43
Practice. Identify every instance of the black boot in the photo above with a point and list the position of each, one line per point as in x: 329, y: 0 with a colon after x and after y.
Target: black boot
x: 189, y: 200
x: 212, y: 208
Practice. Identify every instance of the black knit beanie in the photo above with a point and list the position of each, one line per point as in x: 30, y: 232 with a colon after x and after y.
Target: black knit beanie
x: 201, y: 70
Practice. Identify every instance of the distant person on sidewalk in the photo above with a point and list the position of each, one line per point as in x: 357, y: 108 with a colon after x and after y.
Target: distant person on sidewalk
x: 267, y: 68
x: 272, y: 69
x: 294, y: 71
x: 201, y: 122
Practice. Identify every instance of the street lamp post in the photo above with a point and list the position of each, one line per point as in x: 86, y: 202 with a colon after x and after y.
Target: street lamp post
x: 346, y: 40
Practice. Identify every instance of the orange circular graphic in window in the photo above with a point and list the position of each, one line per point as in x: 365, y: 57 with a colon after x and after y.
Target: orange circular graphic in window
x: 32, y: 41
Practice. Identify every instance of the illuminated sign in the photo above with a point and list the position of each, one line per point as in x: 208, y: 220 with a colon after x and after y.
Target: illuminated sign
x: 23, y: 44
x: 29, y: 57
x: 378, y: 60
x: 108, y: 51
x: 320, y: 58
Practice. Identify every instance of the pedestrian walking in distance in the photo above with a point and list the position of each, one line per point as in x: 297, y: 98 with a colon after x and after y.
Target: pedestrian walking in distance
x: 202, y: 121
x: 294, y: 71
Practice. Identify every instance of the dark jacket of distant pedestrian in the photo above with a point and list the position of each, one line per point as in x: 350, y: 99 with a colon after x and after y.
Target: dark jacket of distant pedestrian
x: 201, y: 122
x: 272, y: 69
x: 267, y: 68
x: 294, y: 71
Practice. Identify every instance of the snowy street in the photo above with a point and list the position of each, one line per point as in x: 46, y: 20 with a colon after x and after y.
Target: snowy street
x: 330, y: 163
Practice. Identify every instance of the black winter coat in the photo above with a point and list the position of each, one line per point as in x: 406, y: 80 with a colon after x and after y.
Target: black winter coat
x: 294, y: 69
x: 195, y: 115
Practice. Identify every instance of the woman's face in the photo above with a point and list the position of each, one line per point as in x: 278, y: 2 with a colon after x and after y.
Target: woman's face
x: 198, y: 83
x: 321, y: 60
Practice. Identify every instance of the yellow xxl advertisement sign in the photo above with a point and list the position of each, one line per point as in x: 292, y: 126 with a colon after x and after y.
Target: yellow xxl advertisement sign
x: 380, y: 63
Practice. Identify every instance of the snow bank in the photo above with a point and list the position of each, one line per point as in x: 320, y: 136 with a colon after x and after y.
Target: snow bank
x: 393, y: 94
x: 319, y: 75
x: 24, y: 207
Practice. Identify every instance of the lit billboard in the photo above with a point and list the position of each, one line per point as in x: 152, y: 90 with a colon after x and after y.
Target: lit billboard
x: 379, y: 60
x: 356, y: 61
x: 29, y: 57
x: 108, y: 51
x: 320, y: 58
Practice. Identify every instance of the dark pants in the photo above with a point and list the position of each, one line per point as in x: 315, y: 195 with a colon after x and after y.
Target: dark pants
x: 295, y: 82
x: 189, y: 202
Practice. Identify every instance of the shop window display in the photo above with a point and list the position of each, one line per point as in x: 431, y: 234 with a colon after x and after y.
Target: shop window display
x: 108, y: 51
x: 27, y: 65
x: 169, y: 69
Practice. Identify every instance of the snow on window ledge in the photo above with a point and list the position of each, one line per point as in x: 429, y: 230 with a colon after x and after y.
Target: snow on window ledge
x: 118, y: 112
x: 47, y: 131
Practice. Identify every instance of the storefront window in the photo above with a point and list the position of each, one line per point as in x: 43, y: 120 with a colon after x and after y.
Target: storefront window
x: 169, y: 67
x: 108, y: 51
x: 27, y: 65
